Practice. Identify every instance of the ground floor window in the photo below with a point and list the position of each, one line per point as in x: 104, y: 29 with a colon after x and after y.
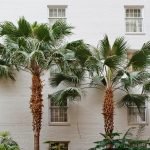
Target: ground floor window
x: 137, y: 116
x: 58, y: 145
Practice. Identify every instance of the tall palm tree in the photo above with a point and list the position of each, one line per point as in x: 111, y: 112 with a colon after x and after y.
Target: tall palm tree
x: 34, y: 48
x: 108, y: 67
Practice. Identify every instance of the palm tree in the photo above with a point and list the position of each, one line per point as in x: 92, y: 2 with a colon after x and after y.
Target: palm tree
x: 108, y: 67
x: 34, y: 48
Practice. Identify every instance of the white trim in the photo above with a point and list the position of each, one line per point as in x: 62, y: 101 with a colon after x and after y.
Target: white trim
x: 57, y: 6
x: 135, y: 33
x: 134, y: 6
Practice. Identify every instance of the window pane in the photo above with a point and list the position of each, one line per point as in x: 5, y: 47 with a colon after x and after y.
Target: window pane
x: 55, y: 13
x: 59, y: 12
x: 135, y: 13
x: 131, y: 13
x: 63, y: 13
x: 51, y: 13
x: 127, y: 12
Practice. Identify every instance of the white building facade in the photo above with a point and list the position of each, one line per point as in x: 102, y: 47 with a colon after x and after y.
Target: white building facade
x: 78, y: 124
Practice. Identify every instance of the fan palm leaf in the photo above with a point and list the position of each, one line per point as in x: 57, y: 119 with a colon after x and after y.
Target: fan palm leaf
x: 141, y: 59
x: 6, y: 70
x: 133, y: 99
x: 69, y: 93
x: 105, y: 47
x: 59, y: 77
x: 119, y: 47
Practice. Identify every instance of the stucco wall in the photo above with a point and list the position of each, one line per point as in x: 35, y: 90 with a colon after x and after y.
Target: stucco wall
x: 91, y: 19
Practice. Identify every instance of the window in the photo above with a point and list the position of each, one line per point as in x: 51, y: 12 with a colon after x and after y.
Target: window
x: 56, y: 12
x: 56, y: 145
x: 134, y: 19
x: 58, y: 113
x: 136, y: 117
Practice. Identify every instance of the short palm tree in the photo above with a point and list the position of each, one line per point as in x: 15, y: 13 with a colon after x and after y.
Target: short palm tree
x: 34, y: 48
x: 108, y: 67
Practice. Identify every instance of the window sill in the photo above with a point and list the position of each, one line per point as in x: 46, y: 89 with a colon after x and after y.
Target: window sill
x: 134, y: 33
x: 59, y: 124
x: 144, y: 123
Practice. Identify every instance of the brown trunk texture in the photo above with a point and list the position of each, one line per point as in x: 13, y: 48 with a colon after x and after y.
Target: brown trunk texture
x: 108, y: 111
x: 36, y: 142
x: 36, y: 107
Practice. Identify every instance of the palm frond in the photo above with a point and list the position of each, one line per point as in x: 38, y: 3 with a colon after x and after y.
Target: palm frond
x: 98, y: 81
x: 6, y: 70
x: 70, y: 94
x: 8, y: 28
x: 133, y: 79
x: 146, y: 87
x: 42, y: 33
x: 38, y: 57
x: 133, y: 99
x: 93, y: 65
x: 119, y: 47
x: 19, y: 58
x: 59, y: 77
x: 81, y: 50
x: 119, y: 74
x: 141, y: 59
x: 105, y: 47
x: 24, y: 27
x: 60, y: 29
x: 113, y: 62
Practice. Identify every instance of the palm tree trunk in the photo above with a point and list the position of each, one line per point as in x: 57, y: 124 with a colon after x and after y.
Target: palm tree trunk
x: 108, y: 111
x: 36, y: 107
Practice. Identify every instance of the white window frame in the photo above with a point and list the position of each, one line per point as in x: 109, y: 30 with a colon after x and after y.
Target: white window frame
x: 141, y: 7
x: 67, y: 123
x: 138, y: 121
x: 52, y: 19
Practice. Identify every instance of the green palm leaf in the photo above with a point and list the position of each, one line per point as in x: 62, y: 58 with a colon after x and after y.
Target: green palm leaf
x: 42, y: 33
x: 113, y: 62
x: 60, y: 29
x: 80, y: 49
x: 130, y: 99
x: 105, y: 47
x: 6, y: 70
x: 67, y: 94
x: 141, y: 59
x: 146, y: 87
x: 59, y: 77
x: 24, y: 28
x: 93, y: 65
x: 119, y: 47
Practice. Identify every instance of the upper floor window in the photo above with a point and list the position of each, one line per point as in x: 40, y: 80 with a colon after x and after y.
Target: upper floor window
x: 134, y: 19
x: 58, y: 113
x: 137, y: 116
x: 56, y: 12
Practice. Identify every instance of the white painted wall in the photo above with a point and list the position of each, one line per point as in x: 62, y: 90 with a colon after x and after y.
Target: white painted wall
x: 91, y: 19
